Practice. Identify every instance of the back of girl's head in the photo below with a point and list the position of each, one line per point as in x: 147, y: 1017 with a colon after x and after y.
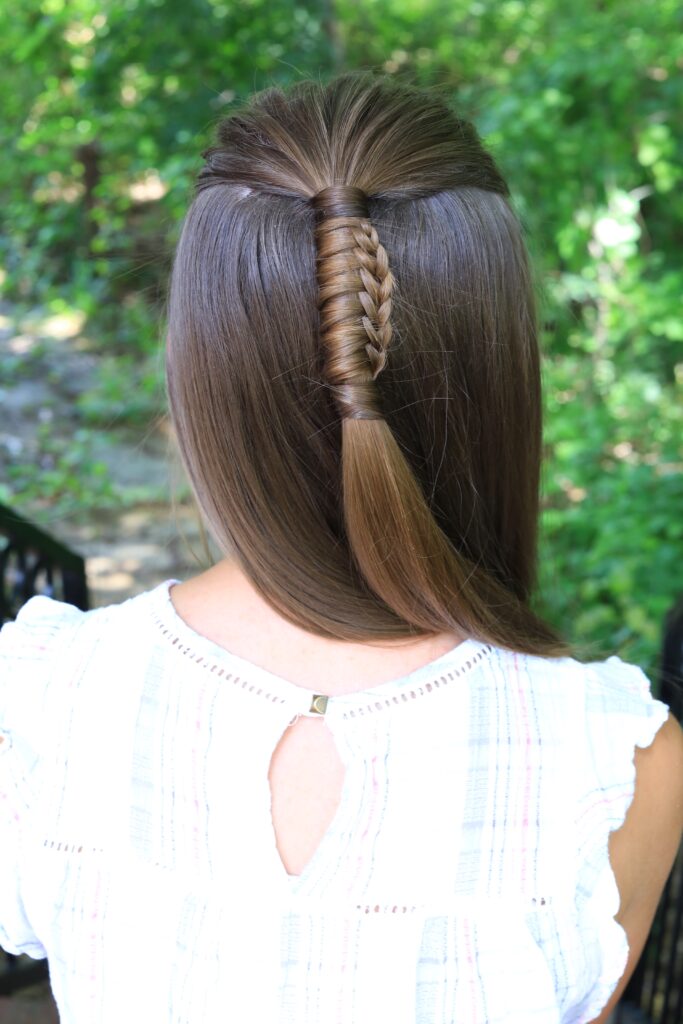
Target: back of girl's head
x: 353, y: 367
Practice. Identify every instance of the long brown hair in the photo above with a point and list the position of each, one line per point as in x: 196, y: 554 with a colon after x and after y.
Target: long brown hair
x: 353, y: 366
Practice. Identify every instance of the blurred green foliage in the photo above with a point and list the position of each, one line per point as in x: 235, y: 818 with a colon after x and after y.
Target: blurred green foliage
x: 108, y: 103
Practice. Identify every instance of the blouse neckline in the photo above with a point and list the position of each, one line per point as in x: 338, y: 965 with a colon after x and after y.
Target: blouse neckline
x: 436, y: 674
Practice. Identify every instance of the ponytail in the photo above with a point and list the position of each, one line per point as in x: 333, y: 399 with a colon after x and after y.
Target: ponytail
x: 395, y: 542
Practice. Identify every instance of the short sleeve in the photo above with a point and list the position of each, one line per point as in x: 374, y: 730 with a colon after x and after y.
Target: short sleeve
x: 30, y: 648
x: 620, y: 714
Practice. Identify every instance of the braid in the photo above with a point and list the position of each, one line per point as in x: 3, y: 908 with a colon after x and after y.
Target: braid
x: 355, y: 300
x: 378, y: 282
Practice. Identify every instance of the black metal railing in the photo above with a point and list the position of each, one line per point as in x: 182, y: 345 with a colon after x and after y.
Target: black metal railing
x: 655, y: 990
x: 32, y: 562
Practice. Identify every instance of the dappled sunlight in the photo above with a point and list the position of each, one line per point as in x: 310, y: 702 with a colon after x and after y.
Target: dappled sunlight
x: 147, y: 189
x: 62, y: 325
x: 20, y: 344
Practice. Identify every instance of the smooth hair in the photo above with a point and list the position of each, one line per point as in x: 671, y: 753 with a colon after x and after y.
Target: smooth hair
x: 353, y: 368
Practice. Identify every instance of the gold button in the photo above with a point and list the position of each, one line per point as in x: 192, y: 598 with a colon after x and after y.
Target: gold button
x: 319, y: 703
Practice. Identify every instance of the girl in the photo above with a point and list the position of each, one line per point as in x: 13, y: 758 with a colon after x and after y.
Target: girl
x: 345, y: 776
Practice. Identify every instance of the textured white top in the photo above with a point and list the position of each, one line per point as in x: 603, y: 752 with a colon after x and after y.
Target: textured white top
x: 464, y: 877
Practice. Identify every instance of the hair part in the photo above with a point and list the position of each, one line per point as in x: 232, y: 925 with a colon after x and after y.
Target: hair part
x: 353, y: 366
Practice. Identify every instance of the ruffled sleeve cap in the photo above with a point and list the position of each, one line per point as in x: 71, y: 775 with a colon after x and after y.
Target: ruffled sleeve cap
x: 30, y: 649
x: 620, y: 714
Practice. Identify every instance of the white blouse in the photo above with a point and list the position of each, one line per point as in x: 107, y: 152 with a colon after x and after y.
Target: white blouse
x: 464, y: 877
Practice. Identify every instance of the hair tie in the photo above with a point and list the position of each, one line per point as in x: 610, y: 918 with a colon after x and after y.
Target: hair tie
x: 341, y: 201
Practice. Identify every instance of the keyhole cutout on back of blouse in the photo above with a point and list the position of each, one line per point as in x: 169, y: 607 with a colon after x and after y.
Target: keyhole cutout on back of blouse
x: 306, y: 778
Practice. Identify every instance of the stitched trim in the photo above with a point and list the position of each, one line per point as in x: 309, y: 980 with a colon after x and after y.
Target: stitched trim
x: 418, y: 691
x: 52, y: 844
x: 371, y: 706
x: 386, y: 909
x: 474, y: 906
x: 212, y: 666
x: 397, y: 908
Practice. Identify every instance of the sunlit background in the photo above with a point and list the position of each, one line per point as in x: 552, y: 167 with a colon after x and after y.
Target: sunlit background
x: 106, y: 108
